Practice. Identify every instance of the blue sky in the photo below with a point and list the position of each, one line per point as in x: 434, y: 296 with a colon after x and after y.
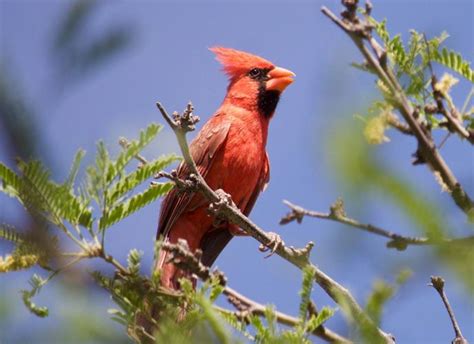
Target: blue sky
x: 168, y: 60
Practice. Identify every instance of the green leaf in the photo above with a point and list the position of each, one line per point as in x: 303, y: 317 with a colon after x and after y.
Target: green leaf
x: 133, y: 204
x: 102, y: 161
x: 262, y: 334
x: 118, y: 316
x: 18, y: 261
x: 9, y: 233
x: 315, y: 321
x: 271, y: 319
x: 36, y: 283
x: 27, y: 253
x: 133, y: 260
x: 216, y: 289
x: 75, y: 168
x: 215, y: 323
x: 403, y: 276
x: 381, y: 293
x: 397, y: 51
x: 146, y: 136
x: 10, y: 181
x: 56, y: 201
x: 381, y: 29
x: 455, y: 62
x: 132, y: 180
x: 235, y: 322
x: 305, y: 292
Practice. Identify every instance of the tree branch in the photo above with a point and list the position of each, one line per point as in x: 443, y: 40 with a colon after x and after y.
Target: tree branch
x: 400, y: 242
x: 438, y: 283
x: 394, y: 122
x: 454, y: 119
x: 360, y: 31
x: 181, y: 124
x: 183, y: 258
x: 251, y: 307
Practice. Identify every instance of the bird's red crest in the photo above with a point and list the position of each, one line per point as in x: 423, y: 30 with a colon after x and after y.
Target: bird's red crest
x: 236, y: 62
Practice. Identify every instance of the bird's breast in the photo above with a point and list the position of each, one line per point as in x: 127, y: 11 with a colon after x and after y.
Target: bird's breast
x: 242, y: 159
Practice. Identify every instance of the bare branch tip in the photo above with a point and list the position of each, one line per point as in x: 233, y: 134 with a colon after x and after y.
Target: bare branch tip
x: 437, y: 282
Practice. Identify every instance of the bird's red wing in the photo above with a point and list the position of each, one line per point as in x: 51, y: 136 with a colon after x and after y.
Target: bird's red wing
x: 203, y: 149
x: 214, y: 241
x: 261, y: 185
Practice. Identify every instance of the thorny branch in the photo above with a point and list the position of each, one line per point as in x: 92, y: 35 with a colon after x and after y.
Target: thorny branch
x: 360, y: 31
x: 186, y: 260
x: 337, y: 214
x: 181, y: 124
x: 438, y: 283
x: 394, y: 122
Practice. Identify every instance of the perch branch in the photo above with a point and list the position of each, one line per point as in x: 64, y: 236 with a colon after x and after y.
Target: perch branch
x: 186, y: 260
x: 360, y: 31
x: 399, y: 125
x: 400, y: 242
x: 181, y: 124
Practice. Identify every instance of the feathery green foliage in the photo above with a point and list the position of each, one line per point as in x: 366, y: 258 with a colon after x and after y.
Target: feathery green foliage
x: 128, y: 182
x: 382, y: 292
x: 36, y: 283
x: 413, y: 66
x: 309, y: 322
x: 133, y: 148
x: 10, y: 233
x: 107, y: 183
x: 264, y: 330
x: 359, y: 172
x: 305, y: 292
x: 317, y: 320
x: 39, y: 194
x: 455, y: 62
x: 76, y: 163
x: 133, y: 204
x: 10, y: 181
x: 134, y: 259
x: 27, y: 252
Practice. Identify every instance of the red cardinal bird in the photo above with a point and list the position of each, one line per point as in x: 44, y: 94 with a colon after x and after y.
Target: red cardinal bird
x: 229, y: 152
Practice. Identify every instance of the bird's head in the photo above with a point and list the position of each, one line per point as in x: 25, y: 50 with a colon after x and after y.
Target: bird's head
x: 255, y: 83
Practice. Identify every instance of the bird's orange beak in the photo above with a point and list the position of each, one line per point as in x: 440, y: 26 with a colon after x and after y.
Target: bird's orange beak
x: 280, y: 78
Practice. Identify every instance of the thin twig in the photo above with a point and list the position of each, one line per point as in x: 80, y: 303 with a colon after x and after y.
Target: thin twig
x: 125, y: 143
x: 181, y: 124
x: 359, y: 31
x: 399, y: 125
x: 398, y: 241
x: 438, y: 283
x: 109, y: 259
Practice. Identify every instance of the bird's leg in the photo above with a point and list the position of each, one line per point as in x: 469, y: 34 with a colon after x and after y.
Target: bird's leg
x: 275, y: 242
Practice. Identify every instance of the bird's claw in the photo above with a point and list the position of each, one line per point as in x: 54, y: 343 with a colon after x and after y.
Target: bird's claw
x: 215, y: 208
x: 275, y: 242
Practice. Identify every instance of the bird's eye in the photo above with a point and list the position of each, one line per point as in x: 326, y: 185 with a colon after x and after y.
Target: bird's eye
x: 255, y: 72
